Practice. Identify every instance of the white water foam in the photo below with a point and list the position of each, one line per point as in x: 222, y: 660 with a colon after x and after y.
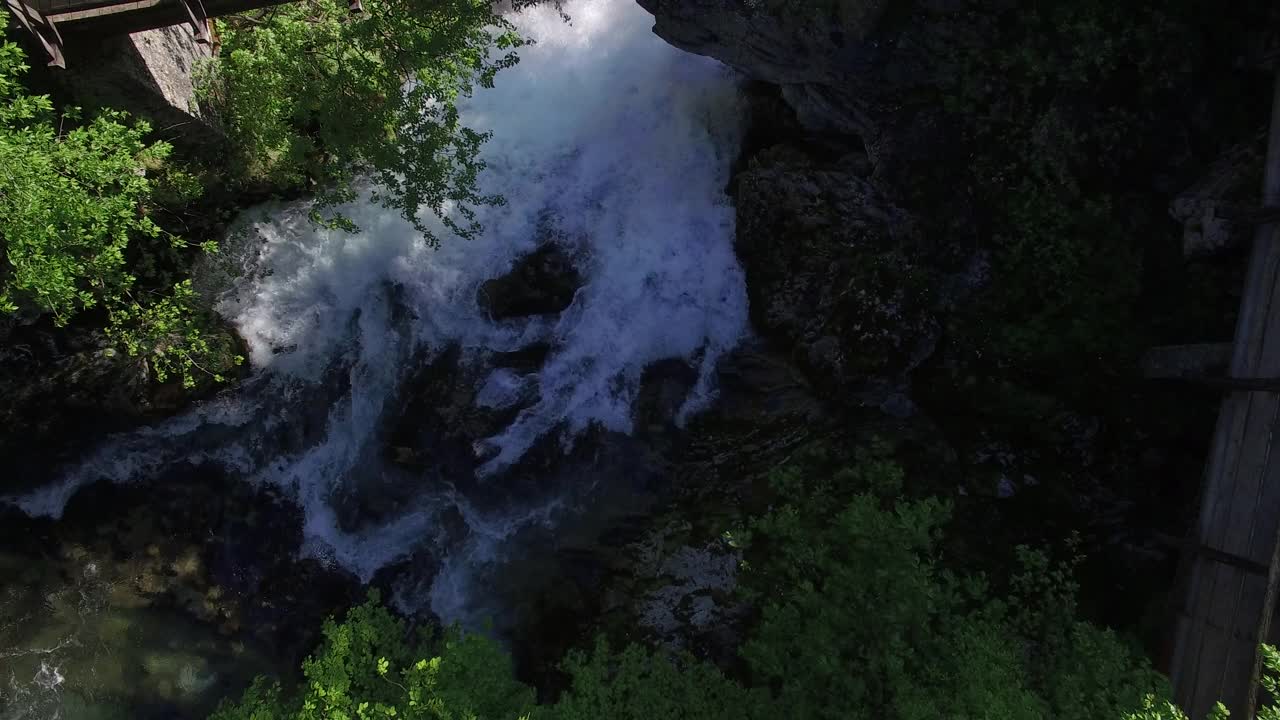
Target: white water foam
x: 615, y: 140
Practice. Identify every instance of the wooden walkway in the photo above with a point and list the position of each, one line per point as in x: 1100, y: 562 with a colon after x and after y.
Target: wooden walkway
x: 1230, y: 580
x: 55, y: 23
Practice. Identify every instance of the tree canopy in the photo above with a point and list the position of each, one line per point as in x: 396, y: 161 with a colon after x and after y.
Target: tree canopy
x: 859, y: 619
x: 310, y: 92
x: 69, y: 199
x: 76, y: 197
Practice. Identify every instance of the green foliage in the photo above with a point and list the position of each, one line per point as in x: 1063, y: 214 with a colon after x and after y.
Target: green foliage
x: 859, y: 618
x: 1270, y: 681
x: 367, y: 668
x: 310, y: 92
x: 1057, y: 96
x: 69, y: 200
x: 74, y: 202
x: 1069, y: 110
x: 1080, y: 670
x: 1156, y: 709
x: 172, y: 333
x: 856, y: 598
x: 637, y: 684
x: 853, y: 591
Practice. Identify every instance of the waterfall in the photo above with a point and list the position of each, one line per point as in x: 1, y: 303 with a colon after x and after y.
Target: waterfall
x: 618, y: 143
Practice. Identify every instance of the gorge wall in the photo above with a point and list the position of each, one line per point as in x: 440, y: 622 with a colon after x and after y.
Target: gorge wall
x: 840, y: 272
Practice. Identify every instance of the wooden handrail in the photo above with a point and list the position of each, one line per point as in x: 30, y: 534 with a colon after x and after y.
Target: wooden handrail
x: 1266, y: 233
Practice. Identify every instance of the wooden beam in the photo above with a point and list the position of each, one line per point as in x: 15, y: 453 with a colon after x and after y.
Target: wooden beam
x: 1188, y: 545
x: 43, y: 29
x: 1246, y: 215
x: 199, y: 20
x: 1258, y: 384
x: 122, y: 18
x: 1226, y: 558
x: 1178, y: 362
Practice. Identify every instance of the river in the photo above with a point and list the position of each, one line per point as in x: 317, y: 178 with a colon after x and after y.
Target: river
x: 605, y: 141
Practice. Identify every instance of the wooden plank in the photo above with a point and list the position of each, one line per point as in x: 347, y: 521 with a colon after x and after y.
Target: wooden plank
x: 1266, y: 614
x: 1228, y: 608
x: 146, y: 15
x: 95, y: 13
x: 1264, y: 540
x: 1237, y: 680
x: 1211, y: 646
x: 1235, y: 534
x: 1223, y: 472
x: 1267, y: 234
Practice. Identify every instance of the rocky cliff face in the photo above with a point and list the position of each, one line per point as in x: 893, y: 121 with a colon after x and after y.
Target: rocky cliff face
x: 844, y: 65
x: 820, y: 54
x: 838, y: 270
x: 151, y: 75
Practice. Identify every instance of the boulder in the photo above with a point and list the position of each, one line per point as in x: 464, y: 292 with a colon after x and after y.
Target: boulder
x: 834, y: 275
x: 541, y: 283
x: 1232, y: 180
x: 843, y: 65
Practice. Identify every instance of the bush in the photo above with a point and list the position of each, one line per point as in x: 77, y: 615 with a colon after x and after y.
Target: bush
x: 74, y: 203
x: 367, y: 668
x: 858, y: 620
x: 311, y: 93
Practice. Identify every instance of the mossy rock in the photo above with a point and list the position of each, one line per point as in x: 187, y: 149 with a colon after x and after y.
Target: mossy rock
x: 832, y: 273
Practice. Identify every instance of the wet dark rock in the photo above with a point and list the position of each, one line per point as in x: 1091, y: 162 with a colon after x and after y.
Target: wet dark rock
x: 433, y: 435
x: 664, y: 387
x: 528, y: 359
x: 206, y: 554
x: 850, y: 66
x: 62, y: 389
x: 756, y: 383
x: 541, y: 283
x: 833, y: 271
x: 439, y: 398
x: 57, y: 385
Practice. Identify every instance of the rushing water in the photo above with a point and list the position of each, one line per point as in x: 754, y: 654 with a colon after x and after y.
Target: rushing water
x: 604, y: 137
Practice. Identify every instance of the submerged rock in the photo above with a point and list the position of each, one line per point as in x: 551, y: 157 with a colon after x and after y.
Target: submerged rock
x: 542, y: 283
x: 694, y: 601
x: 63, y: 389
x: 176, y: 592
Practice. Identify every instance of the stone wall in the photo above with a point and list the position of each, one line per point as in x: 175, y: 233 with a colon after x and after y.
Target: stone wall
x: 150, y: 75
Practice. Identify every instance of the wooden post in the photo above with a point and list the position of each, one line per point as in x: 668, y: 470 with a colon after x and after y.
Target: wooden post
x: 1267, y: 234
x: 199, y: 20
